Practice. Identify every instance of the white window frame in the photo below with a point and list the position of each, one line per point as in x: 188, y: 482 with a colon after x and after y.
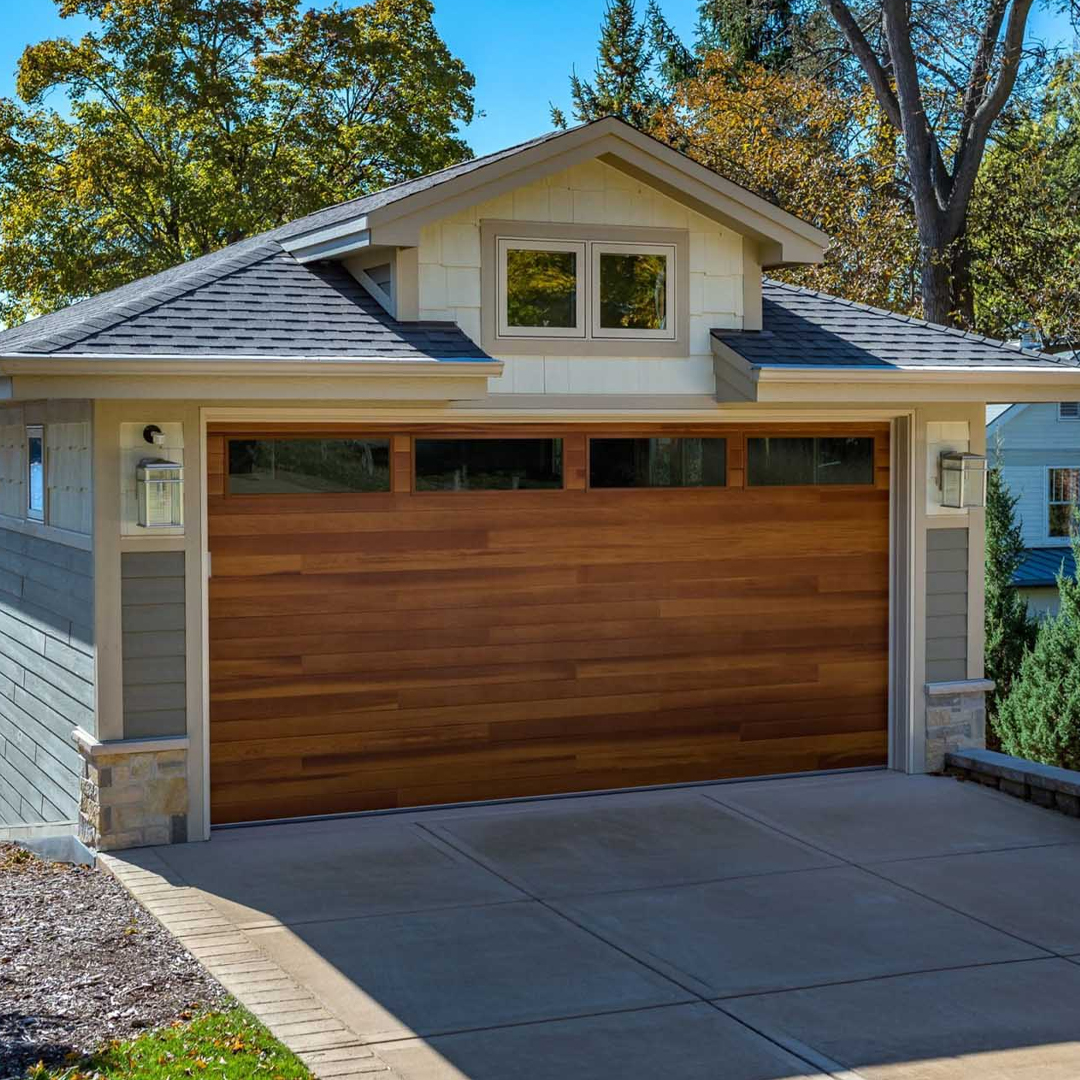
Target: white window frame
x: 1068, y: 419
x: 1048, y: 489
x: 578, y: 248
x: 601, y: 333
x: 37, y: 431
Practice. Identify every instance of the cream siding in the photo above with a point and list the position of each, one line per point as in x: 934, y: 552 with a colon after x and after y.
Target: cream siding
x: 591, y: 193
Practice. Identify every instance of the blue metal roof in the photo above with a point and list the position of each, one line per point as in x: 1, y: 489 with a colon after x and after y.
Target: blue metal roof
x: 1041, y: 566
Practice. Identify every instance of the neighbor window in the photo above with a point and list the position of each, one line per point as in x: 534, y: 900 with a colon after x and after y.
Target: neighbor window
x: 308, y: 466
x: 806, y: 460
x: 1069, y: 410
x: 633, y: 291
x: 541, y: 288
x: 661, y: 462
x: 1061, y: 501
x: 488, y: 464
x: 35, y: 472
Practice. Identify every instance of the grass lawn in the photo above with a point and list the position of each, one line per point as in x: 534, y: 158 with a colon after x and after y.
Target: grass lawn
x: 230, y: 1045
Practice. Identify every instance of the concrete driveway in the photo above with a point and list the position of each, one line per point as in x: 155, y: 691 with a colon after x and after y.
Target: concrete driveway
x: 864, y: 923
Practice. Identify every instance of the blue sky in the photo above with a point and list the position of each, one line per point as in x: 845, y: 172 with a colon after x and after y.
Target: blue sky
x: 521, y: 52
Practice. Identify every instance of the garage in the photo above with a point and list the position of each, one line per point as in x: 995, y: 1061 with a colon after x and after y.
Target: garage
x: 403, y: 617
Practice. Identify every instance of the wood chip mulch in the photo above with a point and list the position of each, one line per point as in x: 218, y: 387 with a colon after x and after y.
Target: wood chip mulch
x: 82, y: 963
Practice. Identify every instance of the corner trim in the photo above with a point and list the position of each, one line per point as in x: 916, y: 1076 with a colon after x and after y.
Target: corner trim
x: 92, y: 747
x: 959, y: 686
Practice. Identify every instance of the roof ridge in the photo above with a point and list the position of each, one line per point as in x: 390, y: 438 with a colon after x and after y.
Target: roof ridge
x: 896, y: 316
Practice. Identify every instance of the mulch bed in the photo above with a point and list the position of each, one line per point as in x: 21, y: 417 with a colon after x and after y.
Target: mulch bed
x: 82, y: 963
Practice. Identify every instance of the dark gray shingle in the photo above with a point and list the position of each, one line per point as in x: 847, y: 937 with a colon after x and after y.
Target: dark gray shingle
x: 804, y: 328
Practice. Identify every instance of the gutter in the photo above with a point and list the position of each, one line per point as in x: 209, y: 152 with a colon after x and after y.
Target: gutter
x: 1008, y: 373
x: 172, y: 365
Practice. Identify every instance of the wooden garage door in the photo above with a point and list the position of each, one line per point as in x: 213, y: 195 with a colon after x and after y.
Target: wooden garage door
x: 392, y: 649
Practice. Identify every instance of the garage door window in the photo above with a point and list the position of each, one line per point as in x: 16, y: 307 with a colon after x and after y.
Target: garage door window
x: 308, y: 466
x: 488, y: 464
x: 638, y: 463
x: 796, y: 461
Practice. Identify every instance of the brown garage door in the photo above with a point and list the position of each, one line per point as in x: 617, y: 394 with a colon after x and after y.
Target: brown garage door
x: 380, y: 648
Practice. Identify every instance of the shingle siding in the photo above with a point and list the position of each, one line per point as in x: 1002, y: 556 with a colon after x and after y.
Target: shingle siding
x: 154, y: 643
x: 946, y: 604
x: 46, y: 675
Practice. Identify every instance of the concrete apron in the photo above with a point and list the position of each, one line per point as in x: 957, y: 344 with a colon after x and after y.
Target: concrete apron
x: 868, y: 925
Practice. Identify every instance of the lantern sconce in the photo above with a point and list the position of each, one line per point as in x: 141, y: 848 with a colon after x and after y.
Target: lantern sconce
x: 962, y: 479
x: 161, y: 493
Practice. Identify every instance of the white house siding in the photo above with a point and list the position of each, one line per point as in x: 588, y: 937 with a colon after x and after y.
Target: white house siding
x: 596, y: 194
x: 1028, y: 440
x: 46, y: 615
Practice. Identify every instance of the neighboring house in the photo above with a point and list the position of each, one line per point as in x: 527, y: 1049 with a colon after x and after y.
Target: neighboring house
x: 512, y: 480
x: 1038, y: 447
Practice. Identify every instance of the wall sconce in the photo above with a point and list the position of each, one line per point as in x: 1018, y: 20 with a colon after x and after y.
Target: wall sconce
x: 161, y: 493
x: 963, y: 480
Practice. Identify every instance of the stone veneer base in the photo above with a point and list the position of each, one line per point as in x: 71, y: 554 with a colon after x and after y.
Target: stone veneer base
x: 133, y: 793
x: 955, y: 719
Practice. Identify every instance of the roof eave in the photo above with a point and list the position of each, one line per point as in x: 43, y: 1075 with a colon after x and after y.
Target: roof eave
x: 169, y: 366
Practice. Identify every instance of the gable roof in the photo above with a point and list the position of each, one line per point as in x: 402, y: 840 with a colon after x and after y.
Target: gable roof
x: 805, y: 328
x: 218, y: 304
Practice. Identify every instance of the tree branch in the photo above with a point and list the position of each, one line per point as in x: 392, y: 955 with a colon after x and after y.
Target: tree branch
x: 866, y: 56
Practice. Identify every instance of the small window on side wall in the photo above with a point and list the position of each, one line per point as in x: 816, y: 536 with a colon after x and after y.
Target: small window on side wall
x: 488, y: 464
x: 541, y: 288
x: 35, y: 472
x: 659, y: 462
x: 788, y: 461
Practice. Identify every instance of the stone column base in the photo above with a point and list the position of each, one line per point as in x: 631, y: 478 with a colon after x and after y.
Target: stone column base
x: 134, y: 792
x: 955, y: 719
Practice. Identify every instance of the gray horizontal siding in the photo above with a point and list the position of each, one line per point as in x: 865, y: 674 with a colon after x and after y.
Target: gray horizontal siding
x: 946, y: 604
x: 154, y: 649
x: 46, y: 675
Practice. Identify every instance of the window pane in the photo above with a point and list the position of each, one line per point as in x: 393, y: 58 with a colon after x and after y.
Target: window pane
x: 1061, y: 519
x: 633, y: 292
x: 622, y: 463
x: 305, y: 466
x: 35, y: 504
x: 1064, y: 485
x: 791, y: 461
x: 845, y: 461
x: 488, y: 464
x: 541, y: 288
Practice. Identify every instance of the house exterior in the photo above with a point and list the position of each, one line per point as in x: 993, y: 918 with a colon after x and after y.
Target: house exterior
x: 1037, y: 448
x: 518, y: 479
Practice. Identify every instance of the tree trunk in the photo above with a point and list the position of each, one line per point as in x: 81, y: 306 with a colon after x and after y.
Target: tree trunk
x: 936, y: 285
x: 962, y: 286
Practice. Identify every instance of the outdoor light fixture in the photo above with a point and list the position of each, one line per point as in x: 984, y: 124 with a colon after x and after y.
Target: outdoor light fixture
x: 161, y: 493
x: 963, y: 480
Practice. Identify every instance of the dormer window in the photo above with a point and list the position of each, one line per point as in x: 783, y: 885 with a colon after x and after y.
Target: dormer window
x: 600, y: 290
x: 633, y: 291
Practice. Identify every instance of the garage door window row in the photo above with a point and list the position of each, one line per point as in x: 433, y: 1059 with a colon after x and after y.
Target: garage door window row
x: 304, y: 465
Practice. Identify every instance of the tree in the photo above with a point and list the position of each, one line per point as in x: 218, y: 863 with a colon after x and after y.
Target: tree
x: 189, y: 124
x: 817, y: 152
x: 942, y: 74
x: 1025, y: 219
x: 1010, y: 630
x: 623, y: 84
x: 1040, y: 718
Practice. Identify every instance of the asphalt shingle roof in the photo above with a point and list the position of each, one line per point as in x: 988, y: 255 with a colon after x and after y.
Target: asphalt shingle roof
x: 1041, y: 566
x: 801, y: 327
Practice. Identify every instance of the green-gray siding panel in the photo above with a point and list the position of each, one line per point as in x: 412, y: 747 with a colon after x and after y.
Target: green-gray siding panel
x: 946, y: 604
x: 154, y: 643
x: 46, y: 675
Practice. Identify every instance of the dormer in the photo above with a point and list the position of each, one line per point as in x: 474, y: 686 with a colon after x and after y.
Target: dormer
x: 599, y: 241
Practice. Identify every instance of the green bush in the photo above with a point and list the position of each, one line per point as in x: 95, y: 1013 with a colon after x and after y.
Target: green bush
x: 1040, y: 718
